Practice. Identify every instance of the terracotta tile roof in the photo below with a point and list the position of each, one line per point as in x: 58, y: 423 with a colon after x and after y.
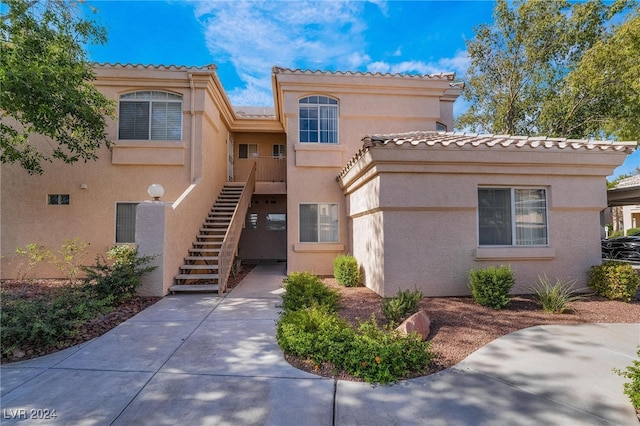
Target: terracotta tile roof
x: 210, y: 67
x: 255, y: 112
x: 629, y: 182
x: 471, y: 139
x: 441, y: 76
x: 455, y: 139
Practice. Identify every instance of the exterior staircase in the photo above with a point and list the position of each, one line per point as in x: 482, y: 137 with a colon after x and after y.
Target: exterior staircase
x: 201, y: 270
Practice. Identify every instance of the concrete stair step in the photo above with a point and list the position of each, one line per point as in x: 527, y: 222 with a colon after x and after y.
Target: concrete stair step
x: 202, y: 258
x: 197, y: 277
x: 204, y: 250
x: 199, y: 267
x: 194, y: 288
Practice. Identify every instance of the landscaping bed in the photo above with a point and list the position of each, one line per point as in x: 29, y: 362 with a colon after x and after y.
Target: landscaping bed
x: 44, y: 288
x: 459, y: 326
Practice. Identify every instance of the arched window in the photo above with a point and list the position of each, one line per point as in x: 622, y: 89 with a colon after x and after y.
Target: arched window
x: 441, y: 127
x: 150, y: 115
x: 318, y: 120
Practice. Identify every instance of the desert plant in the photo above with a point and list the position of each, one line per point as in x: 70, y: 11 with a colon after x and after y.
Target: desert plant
x: 120, y: 280
x: 632, y: 388
x: 384, y: 355
x: 405, y: 303
x: 314, y: 333
x: 490, y: 286
x: 346, y: 270
x: 69, y: 258
x: 29, y: 257
x: 47, y: 321
x: 555, y: 298
x: 632, y: 231
x: 304, y: 290
x: 614, y: 280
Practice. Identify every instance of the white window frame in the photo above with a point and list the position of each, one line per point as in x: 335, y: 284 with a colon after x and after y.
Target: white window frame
x: 323, y: 128
x: 124, y: 228
x: 319, y: 235
x: 513, y: 217
x: 157, y: 125
x: 252, y: 151
x: 279, y: 150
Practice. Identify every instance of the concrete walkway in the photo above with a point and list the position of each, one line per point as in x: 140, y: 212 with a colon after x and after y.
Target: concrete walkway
x: 205, y: 360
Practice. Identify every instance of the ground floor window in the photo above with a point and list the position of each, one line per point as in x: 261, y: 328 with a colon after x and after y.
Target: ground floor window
x: 319, y: 223
x: 58, y: 199
x: 126, y: 222
x: 512, y: 216
x: 276, y: 221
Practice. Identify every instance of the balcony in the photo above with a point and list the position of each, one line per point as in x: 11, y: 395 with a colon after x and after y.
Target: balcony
x: 271, y: 173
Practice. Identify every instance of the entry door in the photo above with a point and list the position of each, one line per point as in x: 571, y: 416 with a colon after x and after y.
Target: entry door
x: 230, y: 159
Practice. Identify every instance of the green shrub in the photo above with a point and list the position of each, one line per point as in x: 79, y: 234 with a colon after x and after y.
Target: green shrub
x: 370, y: 353
x: 346, y: 270
x: 69, y: 258
x: 120, y: 280
x: 304, y: 290
x: 555, y: 298
x: 29, y: 257
x: 405, y: 303
x: 632, y: 231
x: 383, y: 356
x: 490, y: 286
x: 314, y: 333
x: 614, y: 280
x: 43, y: 322
x: 632, y: 388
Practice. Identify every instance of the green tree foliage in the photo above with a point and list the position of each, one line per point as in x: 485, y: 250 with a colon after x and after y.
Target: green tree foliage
x: 603, y: 91
x: 518, y: 69
x: 45, y: 79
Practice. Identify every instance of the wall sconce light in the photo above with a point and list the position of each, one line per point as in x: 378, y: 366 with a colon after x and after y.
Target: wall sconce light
x: 155, y: 191
x: 84, y: 186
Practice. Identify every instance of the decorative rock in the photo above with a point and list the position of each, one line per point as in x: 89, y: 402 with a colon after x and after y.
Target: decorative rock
x: 416, y: 323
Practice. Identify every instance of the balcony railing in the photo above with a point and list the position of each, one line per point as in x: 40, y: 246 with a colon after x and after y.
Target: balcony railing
x: 271, y: 169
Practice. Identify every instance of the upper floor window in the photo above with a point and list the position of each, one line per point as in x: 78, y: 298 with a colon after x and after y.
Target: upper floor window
x: 440, y: 127
x: 512, y: 217
x: 318, y: 119
x: 150, y: 115
x: 279, y: 150
x: 247, y: 150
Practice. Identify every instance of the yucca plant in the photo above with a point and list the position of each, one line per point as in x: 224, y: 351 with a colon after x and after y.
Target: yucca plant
x: 555, y: 298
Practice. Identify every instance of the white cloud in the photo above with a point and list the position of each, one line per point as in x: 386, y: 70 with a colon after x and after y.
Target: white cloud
x: 253, y: 36
x: 458, y: 64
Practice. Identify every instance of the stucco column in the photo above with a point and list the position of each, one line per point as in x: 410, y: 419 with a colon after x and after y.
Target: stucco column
x: 150, y: 238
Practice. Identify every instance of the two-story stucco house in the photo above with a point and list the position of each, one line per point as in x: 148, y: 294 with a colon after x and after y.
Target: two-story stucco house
x: 356, y: 163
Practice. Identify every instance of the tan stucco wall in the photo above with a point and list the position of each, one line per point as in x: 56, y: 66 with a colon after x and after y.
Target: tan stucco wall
x: 367, y: 104
x: 191, y: 170
x: 422, y: 215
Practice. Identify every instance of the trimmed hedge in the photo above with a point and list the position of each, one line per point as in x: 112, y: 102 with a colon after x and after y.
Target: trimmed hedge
x: 346, y: 270
x: 614, y: 280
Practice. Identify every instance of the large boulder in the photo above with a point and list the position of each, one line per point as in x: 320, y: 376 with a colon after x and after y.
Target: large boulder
x: 416, y: 323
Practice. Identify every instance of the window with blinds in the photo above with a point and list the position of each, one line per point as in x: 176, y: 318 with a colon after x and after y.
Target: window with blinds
x: 126, y: 222
x: 150, y: 115
x: 318, y: 119
x: 319, y: 223
x: 512, y: 216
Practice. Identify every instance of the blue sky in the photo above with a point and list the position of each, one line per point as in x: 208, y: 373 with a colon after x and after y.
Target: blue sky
x: 245, y: 39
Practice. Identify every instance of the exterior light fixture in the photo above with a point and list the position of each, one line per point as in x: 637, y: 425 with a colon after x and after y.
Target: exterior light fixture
x: 155, y: 191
